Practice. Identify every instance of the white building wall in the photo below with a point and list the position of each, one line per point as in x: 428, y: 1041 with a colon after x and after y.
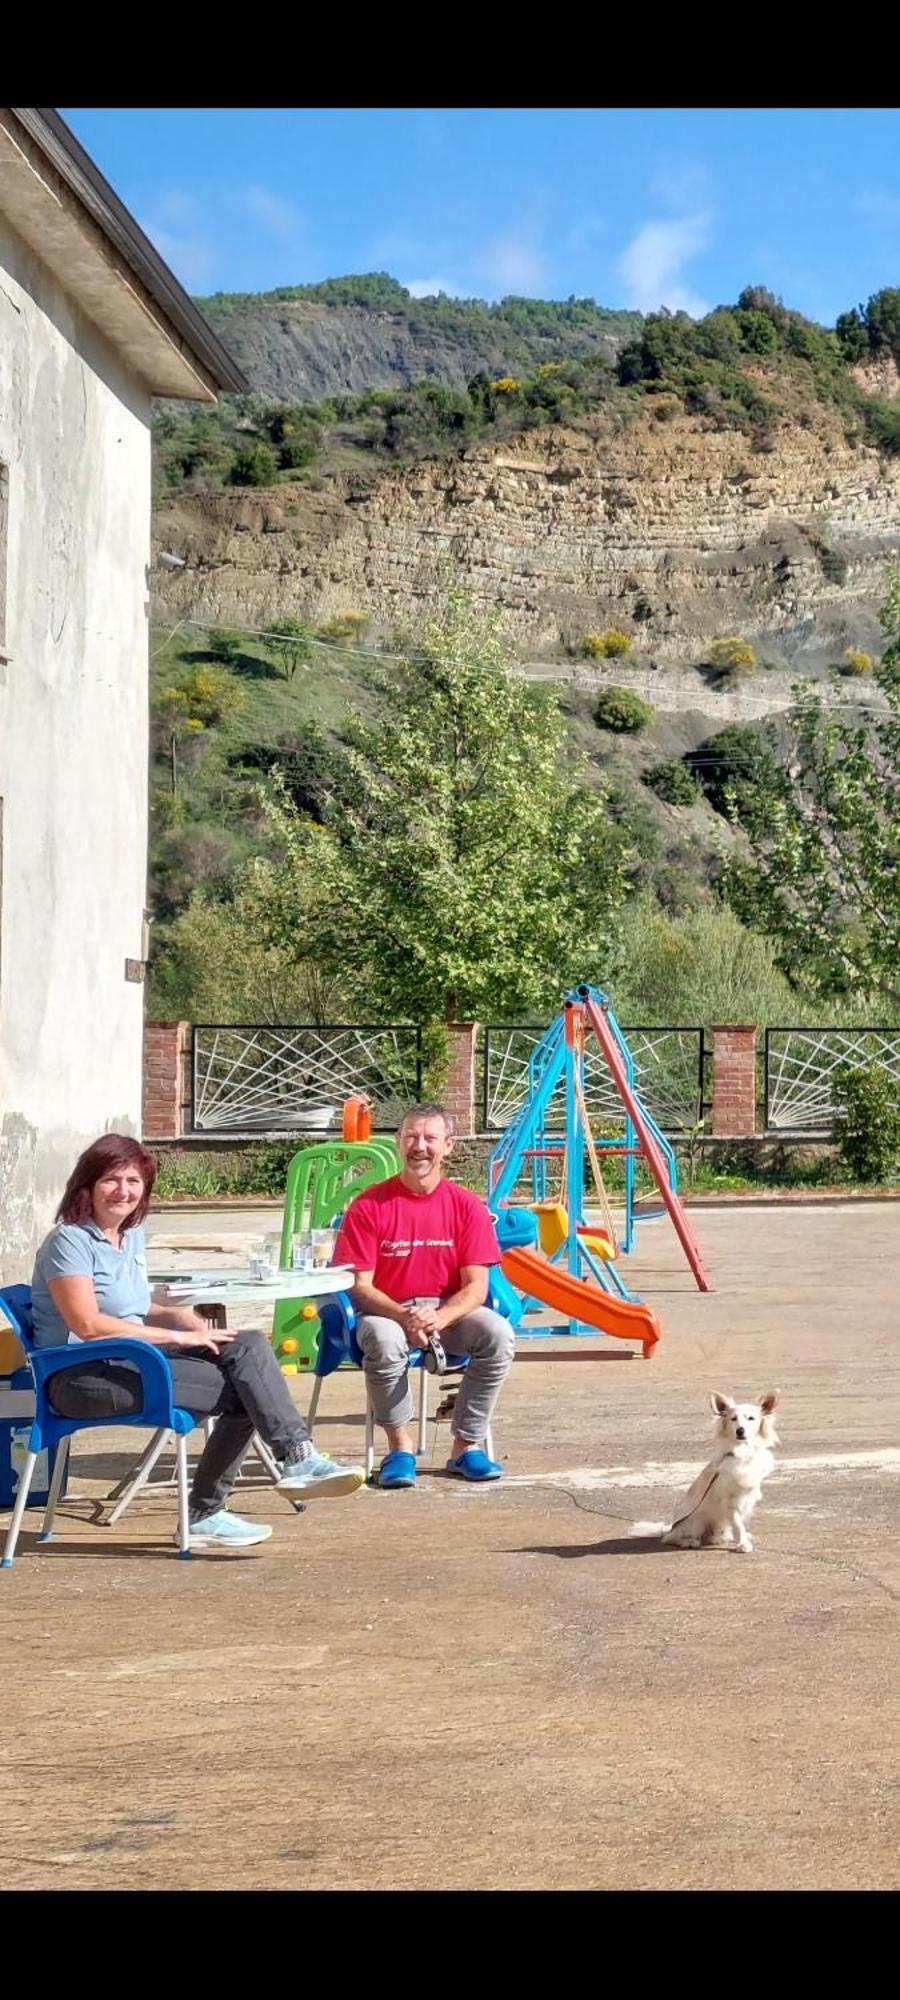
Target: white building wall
x: 74, y: 435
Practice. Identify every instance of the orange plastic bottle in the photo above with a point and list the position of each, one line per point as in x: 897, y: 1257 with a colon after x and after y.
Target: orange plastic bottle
x: 364, y: 1119
x: 350, y: 1119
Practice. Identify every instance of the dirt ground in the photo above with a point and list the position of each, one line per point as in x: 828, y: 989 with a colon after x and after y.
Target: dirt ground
x: 510, y: 1687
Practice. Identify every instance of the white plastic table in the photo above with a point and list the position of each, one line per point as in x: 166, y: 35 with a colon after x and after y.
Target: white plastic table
x: 235, y: 1288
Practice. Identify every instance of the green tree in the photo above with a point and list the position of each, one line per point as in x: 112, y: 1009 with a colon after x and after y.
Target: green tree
x: 704, y: 967
x: 291, y: 642
x: 622, y: 711
x: 223, y: 644
x: 208, y: 965
x: 673, y: 782
x: 465, y: 868
x: 254, y: 465
x: 823, y: 878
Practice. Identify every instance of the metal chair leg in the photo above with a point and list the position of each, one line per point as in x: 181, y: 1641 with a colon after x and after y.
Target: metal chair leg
x: 314, y: 1403
x: 59, y: 1473
x: 184, y: 1531
x: 131, y: 1474
x: 140, y: 1477
x: 370, y: 1435
x: 25, y: 1479
x: 422, y: 1446
x: 267, y: 1458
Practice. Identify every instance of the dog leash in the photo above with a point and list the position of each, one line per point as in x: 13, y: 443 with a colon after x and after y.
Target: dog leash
x: 698, y: 1503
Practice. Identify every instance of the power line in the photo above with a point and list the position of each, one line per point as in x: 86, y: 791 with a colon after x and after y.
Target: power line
x: 382, y: 658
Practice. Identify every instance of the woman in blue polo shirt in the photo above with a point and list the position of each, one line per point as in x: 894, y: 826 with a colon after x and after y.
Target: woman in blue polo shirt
x: 90, y: 1283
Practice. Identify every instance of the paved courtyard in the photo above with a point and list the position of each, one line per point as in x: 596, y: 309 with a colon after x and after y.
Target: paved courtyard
x: 513, y: 1687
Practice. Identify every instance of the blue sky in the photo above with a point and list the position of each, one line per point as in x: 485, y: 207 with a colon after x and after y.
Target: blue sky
x: 634, y: 208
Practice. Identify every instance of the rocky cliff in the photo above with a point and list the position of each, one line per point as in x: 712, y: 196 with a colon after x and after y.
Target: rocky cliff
x: 303, y: 349
x: 675, y: 531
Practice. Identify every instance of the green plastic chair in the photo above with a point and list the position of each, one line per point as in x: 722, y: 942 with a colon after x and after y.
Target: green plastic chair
x: 320, y: 1182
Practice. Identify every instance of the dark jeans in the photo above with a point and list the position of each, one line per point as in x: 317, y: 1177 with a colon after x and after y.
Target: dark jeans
x: 243, y: 1387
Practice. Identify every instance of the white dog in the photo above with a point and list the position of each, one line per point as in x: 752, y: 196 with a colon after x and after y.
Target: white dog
x: 719, y: 1504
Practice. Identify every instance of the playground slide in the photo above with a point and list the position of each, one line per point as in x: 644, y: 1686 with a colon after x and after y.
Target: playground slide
x: 576, y: 1299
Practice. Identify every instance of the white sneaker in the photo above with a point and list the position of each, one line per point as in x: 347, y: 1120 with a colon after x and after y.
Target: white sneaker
x: 225, y: 1531
x: 317, y: 1477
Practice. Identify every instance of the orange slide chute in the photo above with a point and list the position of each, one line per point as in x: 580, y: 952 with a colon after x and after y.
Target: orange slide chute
x: 576, y: 1299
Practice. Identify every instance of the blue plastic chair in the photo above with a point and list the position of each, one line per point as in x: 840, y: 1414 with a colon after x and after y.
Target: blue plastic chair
x: 158, y: 1412
x: 338, y: 1344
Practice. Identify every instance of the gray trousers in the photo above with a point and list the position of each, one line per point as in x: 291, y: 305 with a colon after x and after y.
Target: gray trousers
x: 243, y: 1387
x: 483, y: 1335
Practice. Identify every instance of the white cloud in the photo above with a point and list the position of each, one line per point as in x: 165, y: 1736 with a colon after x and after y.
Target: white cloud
x: 272, y: 212
x: 427, y: 288
x: 192, y: 258
x: 682, y: 185
x: 513, y: 263
x: 651, y: 267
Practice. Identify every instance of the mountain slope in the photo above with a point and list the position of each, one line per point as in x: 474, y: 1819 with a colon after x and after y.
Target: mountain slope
x: 349, y: 334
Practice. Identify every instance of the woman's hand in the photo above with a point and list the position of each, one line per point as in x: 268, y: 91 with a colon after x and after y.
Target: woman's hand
x: 209, y: 1339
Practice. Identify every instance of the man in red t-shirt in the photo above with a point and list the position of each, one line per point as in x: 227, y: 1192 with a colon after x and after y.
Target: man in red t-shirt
x: 421, y: 1247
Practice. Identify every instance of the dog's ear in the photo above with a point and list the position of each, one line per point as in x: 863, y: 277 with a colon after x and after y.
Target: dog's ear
x: 768, y: 1401
x: 719, y: 1404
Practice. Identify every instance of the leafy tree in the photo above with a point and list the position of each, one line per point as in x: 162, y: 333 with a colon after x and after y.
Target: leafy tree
x: 823, y: 878
x: 731, y: 766
x: 208, y: 965
x: 704, y: 967
x: 732, y: 657
x: 608, y: 645
x: 868, y: 1127
x: 882, y: 317
x: 254, y: 465
x: 674, y: 783
x: 621, y: 711
x: 852, y: 335
x: 291, y: 642
x: 224, y: 645
x: 465, y: 869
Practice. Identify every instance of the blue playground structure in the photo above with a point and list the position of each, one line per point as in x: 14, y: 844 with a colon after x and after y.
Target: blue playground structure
x: 577, y: 1273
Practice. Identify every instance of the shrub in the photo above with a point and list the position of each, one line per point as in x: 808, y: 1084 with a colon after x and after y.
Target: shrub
x: 735, y: 757
x: 212, y: 696
x: 733, y: 657
x: 621, y: 711
x: 224, y: 645
x: 254, y: 465
x: 674, y: 783
x: 855, y: 662
x: 346, y: 625
x: 868, y: 1130
x: 832, y: 564
x: 609, y: 645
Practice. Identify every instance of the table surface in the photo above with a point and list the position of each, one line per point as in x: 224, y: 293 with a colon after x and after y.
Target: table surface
x: 236, y: 1288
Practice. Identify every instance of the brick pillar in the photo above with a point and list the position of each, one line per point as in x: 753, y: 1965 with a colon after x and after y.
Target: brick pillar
x: 459, y: 1091
x: 734, y: 1083
x: 164, y: 1049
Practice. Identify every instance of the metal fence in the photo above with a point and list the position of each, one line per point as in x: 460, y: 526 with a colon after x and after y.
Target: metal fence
x: 800, y: 1066
x: 669, y: 1068
x: 288, y: 1079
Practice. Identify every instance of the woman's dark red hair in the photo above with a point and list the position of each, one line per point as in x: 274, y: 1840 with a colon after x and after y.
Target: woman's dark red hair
x: 113, y: 1150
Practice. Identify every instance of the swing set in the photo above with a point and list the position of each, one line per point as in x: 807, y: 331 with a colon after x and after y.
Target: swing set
x: 576, y: 1272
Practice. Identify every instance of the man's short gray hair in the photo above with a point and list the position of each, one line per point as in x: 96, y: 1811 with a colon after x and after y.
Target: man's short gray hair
x: 416, y: 1111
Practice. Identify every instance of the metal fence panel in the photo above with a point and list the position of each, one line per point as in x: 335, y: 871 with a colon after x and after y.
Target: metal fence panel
x: 669, y: 1068
x: 800, y: 1066
x: 262, y: 1079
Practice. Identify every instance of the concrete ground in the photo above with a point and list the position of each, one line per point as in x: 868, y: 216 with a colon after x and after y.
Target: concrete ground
x: 512, y: 1687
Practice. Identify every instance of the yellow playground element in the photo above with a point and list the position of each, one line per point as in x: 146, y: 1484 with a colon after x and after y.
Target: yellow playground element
x: 553, y: 1228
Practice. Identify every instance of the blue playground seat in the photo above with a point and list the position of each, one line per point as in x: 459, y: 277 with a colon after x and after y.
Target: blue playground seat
x: 158, y: 1412
x: 338, y: 1344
